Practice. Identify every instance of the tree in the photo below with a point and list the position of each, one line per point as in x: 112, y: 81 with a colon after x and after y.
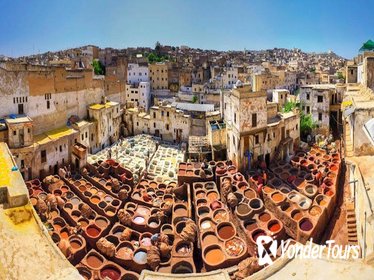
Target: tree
x: 158, y: 48
x: 340, y: 76
x: 99, y: 69
x: 194, y: 99
x: 307, y: 124
x: 289, y: 106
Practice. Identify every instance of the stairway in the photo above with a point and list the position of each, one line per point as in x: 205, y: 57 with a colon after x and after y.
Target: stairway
x: 351, y: 224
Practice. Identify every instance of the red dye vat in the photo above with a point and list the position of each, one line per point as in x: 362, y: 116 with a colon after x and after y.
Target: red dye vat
x: 275, y: 227
x: 92, y: 231
x: 110, y: 273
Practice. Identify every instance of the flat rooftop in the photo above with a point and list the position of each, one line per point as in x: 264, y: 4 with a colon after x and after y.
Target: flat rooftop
x: 102, y: 106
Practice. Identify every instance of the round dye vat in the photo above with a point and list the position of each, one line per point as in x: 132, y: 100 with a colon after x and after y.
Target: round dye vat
x: 101, y: 222
x: 214, y: 256
x: 64, y: 235
x: 139, y: 220
x: 95, y: 199
x: 322, y: 202
x: 212, y: 196
x: 140, y: 257
x: 249, y: 194
x: 264, y: 217
x: 206, y: 224
x: 110, y: 273
x: 83, y: 223
x: 220, y: 216
x: 94, y: 261
x: 82, y: 188
x: 210, y: 238
x: 250, y: 225
x: 93, y: 191
x: 306, y: 225
x: 75, y: 244
x: 93, y: 231
x: 75, y: 201
x: 183, y: 249
x: 108, y: 198
x: 297, y: 216
x: 57, y: 227
x: 243, y: 209
x: 153, y: 224
x: 226, y: 231
x: 274, y: 226
x: 136, y: 195
x: 180, y: 211
x: 234, y: 247
x: 125, y: 253
x: 257, y: 234
x: 146, y: 241
x: 64, y: 189
x: 277, y: 197
x: 54, y: 214
x: 315, y: 211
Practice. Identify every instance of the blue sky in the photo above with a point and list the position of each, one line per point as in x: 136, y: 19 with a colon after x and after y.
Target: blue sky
x: 28, y: 27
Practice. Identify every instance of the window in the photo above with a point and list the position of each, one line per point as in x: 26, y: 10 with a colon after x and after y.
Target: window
x: 43, y: 155
x: 60, y: 148
x: 167, y: 114
x: 257, y: 139
x: 320, y: 99
x: 48, y: 104
x: 154, y: 125
x: 15, y: 132
x: 297, y: 127
x: 162, y: 113
x: 254, y: 120
x: 154, y: 115
x: 307, y: 96
x: 320, y: 117
x: 86, y: 134
x: 307, y: 109
x: 137, y: 123
x: 167, y: 127
x: 234, y: 117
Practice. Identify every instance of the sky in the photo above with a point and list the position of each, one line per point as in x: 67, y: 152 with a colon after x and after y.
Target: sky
x: 28, y: 27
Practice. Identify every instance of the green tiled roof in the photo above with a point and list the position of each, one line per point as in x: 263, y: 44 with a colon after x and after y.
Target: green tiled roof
x: 368, y: 46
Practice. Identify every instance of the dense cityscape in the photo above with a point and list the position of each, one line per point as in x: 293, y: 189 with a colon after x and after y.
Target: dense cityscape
x: 169, y: 161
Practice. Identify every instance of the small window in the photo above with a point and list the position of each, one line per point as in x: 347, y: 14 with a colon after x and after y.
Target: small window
x: 307, y: 96
x: 43, y: 155
x: 154, y: 115
x: 154, y: 125
x: 167, y: 127
x: 14, y: 132
x: 254, y: 120
x: 320, y: 98
x: 167, y: 114
x: 60, y: 148
x: 257, y: 139
x: 320, y: 117
x: 234, y: 117
x: 48, y: 104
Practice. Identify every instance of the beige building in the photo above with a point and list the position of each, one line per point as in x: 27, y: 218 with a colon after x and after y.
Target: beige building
x: 255, y: 129
x: 265, y: 81
x: 158, y: 75
x: 107, y: 119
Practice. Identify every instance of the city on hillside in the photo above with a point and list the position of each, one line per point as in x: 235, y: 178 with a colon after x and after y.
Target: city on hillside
x: 167, y: 161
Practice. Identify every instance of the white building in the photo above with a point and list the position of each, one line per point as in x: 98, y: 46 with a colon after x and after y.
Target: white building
x: 137, y: 73
x: 139, y: 94
x: 229, y: 77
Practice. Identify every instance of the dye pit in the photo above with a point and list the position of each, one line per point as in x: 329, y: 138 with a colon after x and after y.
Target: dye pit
x: 192, y: 217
